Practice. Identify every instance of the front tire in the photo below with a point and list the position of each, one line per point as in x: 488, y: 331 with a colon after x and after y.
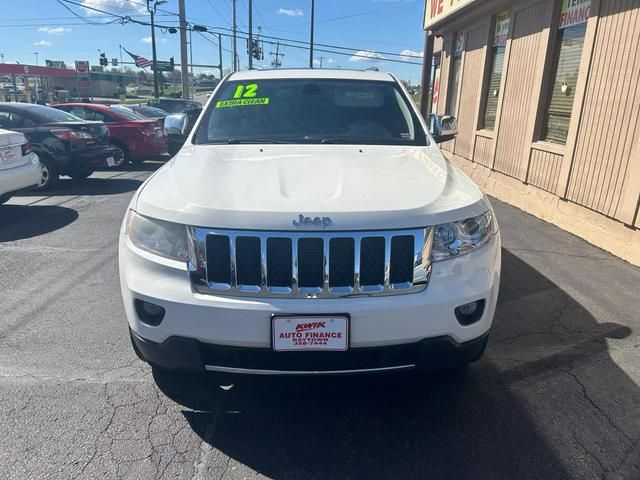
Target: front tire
x: 50, y: 174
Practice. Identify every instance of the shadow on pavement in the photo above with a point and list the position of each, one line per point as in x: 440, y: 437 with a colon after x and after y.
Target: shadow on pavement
x: 520, y: 412
x: 90, y: 186
x: 18, y: 222
x: 146, y: 166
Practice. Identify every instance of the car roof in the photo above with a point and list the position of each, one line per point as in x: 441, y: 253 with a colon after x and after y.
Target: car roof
x: 317, y: 73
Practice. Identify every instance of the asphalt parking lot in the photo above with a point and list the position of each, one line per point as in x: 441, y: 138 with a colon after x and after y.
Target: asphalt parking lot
x: 556, y: 396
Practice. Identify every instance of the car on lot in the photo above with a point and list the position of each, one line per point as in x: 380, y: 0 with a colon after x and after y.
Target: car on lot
x: 65, y: 144
x: 310, y: 224
x: 19, y: 165
x: 176, y: 107
x: 135, y: 137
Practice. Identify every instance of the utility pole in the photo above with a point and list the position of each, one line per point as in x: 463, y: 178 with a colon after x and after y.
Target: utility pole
x: 36, y: 54
x: 235, y: 38
x: 152, y: 11
x: 184, y: 67
x: 220, y: 54
x: 191, y: 52
x: 277, y: 63
x: 313, y: 4
x: 250, y: 34
x: 321, y: 58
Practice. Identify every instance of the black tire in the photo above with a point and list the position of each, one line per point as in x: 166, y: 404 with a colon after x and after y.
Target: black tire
x: 121, y: 155
x: 81, y: 174
x: 50, y: 174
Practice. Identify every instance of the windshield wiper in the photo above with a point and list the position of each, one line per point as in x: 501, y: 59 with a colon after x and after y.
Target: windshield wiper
x: 239, y: 141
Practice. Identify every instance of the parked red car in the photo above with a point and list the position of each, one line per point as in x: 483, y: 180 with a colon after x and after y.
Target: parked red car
x: 135, y: 137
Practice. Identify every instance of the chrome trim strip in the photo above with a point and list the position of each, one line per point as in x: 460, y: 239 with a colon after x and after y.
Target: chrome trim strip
x: 232, y: 260
x: 197, y: 236
x: 263, y: 264
x: 249, y: 371
x: 387, y: 262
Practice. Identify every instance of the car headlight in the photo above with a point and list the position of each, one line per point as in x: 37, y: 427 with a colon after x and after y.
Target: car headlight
x: 157, y: 236
x: 457, y: 238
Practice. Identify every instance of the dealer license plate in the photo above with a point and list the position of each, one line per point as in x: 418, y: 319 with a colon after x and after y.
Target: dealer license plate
x: 111, y: 162
x: 310, y: 333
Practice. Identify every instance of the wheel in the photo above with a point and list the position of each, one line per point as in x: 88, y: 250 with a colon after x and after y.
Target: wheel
x: 121, y: 149
x: 81, y: 174
x: 121, y: 155
x: 50, y: 175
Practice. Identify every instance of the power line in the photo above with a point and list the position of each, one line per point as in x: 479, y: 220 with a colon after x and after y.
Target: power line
x: 301, y: 44
x: 225, y: 19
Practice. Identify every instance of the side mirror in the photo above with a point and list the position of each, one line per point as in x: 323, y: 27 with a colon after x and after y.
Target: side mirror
x: 176, y: 125
x: 442, y: 127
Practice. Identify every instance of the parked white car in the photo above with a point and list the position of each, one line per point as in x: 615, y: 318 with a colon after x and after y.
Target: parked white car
x: 310, y: 224
x: 19, y: 166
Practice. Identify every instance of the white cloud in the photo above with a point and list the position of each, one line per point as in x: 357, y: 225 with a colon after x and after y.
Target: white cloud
x: 366, y: 56
x: 121, y: 7
x: 292, y: 12
x: 331, y: 60
x: 42, y: 43
x: 148, y: 40
x: 54, y: 30
x: 411, y: 55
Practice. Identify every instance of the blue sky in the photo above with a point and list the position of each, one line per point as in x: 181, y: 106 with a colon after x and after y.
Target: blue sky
x: 372, y: 26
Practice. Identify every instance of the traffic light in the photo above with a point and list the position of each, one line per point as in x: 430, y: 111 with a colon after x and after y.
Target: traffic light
x: 103, y: 60
x: 256, y: 50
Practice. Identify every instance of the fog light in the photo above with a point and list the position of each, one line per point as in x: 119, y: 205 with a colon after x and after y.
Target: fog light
x: 469, y: 312
x: 149, y: 313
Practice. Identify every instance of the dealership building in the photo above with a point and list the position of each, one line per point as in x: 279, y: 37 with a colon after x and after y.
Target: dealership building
x: 547, y: 98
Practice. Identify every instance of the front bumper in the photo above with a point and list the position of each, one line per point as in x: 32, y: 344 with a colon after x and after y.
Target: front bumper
x: 226, y: 321
x: 179, y: 353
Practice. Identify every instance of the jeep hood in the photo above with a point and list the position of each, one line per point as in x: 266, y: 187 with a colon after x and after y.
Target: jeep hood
x: 267, y: 187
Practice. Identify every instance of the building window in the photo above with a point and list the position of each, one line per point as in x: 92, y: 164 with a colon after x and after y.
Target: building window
x: 456, y: 70
x: 568, y: 51
x: 492, y: 95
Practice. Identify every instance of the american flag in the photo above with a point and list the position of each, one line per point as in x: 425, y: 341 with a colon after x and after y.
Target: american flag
x: 139, y: 59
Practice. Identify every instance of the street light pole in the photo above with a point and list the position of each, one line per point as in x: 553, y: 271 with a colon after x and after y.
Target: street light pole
x: 235, y: 47
x: 36, y: 53
x: 152, y: 10
x: 250, y: 34
x: 311, y: 40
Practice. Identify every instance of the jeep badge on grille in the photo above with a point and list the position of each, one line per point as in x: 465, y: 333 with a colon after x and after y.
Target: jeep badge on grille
x: 312, y: 221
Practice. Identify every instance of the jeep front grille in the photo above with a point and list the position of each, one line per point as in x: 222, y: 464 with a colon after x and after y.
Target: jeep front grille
x: 309, y: 264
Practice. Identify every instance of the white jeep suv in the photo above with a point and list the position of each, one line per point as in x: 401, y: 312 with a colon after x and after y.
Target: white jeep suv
x: 310, y: 224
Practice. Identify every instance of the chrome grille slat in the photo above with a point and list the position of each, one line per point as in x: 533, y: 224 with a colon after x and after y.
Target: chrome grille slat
x: 422, y: 239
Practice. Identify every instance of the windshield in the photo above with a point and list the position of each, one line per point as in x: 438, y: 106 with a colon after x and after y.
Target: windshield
x: 51, y: 115
x: 311, y: 111
x: 127, y: 113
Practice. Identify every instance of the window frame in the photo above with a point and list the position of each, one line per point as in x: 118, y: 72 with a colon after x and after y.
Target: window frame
x: 488, y: 67
x: 451, y: 80
x: 548, y: 81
